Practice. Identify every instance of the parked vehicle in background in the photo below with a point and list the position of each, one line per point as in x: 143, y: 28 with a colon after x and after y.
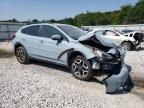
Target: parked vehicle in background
x: 83, y: 53
x: 138, y: 35
x: 127, y: 40
x: 126, y: 31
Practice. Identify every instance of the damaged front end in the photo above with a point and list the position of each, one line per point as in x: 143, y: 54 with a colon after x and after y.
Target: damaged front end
x: 112, y: 62
x: 110, y: 59
x: 117, y: 82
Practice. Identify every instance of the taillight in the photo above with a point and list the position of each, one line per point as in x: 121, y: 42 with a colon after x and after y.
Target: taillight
x: 14, y: 35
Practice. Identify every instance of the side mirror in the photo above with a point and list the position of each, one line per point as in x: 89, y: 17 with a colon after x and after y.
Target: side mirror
x: 56, y: 37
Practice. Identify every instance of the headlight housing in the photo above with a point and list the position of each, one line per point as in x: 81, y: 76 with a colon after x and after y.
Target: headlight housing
x: 102, y: 56
x: 122, y: 52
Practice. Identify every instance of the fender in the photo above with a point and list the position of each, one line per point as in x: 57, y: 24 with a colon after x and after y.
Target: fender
x: 65, y: 51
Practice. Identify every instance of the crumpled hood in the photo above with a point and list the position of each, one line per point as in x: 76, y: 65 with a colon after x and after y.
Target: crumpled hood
x: 104, y: 41
x: 85, y: 37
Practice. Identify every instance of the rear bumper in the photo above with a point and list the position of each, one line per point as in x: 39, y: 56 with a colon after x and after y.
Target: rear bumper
x: 117, y: 82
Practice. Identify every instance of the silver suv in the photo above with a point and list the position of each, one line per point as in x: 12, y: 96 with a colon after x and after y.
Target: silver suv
x: 83, y: 53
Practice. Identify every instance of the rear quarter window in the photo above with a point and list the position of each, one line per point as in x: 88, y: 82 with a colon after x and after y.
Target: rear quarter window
x: 31, y: 30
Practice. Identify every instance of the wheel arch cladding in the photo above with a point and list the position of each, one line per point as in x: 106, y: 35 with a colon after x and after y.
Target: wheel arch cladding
x: 18, y: 44
x: 73, y: 54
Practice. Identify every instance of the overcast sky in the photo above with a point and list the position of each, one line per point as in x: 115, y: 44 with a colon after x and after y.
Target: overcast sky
x: 55, y: 9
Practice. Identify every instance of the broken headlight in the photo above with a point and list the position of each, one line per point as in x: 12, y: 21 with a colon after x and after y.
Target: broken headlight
x: 122, y: 52
x: 102, y: 56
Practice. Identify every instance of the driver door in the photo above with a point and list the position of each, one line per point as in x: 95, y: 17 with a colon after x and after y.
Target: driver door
x: 51, y: 49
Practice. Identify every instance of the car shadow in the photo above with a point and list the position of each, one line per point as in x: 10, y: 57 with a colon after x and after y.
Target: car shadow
x: 62, y: 69
x: 50, y: 65
x: 97, y: 81
x: 136, y: 49
x: 139, y: 49
x: 6, y: 54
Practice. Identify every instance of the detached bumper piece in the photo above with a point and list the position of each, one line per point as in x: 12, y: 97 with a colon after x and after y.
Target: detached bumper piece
x: 117, y: 83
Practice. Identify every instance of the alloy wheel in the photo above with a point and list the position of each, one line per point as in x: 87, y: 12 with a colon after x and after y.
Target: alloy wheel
x: 80, y: 68
x: 126, y: 45
x: 20, y: 55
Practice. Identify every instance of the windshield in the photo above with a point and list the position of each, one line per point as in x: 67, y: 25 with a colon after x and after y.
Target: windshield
x: 120, y: 32
x: 124, y: 31
x: 127, y: 31
x: 72, y: 31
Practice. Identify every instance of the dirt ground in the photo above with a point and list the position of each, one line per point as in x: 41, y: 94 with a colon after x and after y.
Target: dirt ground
x: 40, y: 85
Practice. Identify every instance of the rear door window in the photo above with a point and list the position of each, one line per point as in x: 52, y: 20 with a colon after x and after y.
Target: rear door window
x: 31, y: 30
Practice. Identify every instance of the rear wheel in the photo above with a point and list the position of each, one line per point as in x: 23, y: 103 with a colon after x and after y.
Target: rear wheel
x: 81, y: 68
x: 127, y: 46
x: 21, y: 55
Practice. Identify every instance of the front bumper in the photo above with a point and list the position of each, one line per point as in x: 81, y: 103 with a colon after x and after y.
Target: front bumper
x: 117, y: 82
x: 116, y: 70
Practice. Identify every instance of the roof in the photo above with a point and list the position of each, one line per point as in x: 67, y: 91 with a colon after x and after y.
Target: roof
x: 53, y: 24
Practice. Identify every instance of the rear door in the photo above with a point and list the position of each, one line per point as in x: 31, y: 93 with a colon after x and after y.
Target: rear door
x: 31, y: 40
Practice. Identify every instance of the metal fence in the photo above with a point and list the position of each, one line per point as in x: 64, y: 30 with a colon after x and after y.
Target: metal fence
x: 138, y: 27
x: 8, y: 29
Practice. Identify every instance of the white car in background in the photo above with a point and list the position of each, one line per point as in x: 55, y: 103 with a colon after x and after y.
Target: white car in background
x: 127, y: 40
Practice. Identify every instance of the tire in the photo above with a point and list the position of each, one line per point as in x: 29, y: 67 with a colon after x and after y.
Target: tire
x: 81, y: 68
x: 127, y: 46
x: 21, y: 55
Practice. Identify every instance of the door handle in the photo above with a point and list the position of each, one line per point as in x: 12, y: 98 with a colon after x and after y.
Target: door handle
x: 41, y: 41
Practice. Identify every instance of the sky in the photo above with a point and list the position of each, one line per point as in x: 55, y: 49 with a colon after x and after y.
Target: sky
x: 55, y: 9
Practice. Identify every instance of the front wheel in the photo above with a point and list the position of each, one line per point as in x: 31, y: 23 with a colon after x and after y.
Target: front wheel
x: 127, y: 46
x: 81, y: 68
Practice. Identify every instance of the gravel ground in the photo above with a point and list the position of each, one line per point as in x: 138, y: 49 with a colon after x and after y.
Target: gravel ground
x: 40, y: 85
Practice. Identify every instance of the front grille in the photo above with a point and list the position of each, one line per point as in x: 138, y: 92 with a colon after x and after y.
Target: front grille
x: 117, y: 54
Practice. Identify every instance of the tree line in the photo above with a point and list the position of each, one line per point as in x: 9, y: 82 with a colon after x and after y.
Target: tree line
x: 128, y: 14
